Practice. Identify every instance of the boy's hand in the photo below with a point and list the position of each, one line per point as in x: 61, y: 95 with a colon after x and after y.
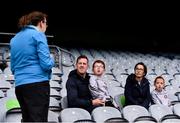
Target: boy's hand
x: 97, y: 102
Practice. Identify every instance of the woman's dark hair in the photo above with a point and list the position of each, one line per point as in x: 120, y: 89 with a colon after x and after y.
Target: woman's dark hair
x: 32, y: 18
x: 145, y: 68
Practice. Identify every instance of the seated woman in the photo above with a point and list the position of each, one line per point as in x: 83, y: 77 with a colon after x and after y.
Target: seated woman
x: 137, y: 88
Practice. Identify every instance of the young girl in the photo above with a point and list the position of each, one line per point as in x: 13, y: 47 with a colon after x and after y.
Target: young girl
x: 159, y: 94
x: 98, y: 86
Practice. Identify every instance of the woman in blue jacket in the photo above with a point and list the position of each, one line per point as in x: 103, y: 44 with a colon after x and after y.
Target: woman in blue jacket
x: 31, y: 65
x: 137, y: 88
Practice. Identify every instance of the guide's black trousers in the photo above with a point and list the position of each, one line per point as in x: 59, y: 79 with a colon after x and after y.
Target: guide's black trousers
x: 34, y: 101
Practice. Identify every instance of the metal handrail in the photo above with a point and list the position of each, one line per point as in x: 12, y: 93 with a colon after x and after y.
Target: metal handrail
x: 4, y: 44
x: 60, y: 51
x: 12, y: 34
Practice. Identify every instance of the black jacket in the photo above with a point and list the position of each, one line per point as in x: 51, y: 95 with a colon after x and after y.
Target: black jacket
x: 78, y: 93
x: 136, y: 94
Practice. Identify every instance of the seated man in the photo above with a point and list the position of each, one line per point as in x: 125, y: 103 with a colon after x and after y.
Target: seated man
x: 78, y: 93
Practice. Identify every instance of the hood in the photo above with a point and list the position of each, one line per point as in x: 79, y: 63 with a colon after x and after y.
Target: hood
x: 73, y: 73
x: 132, y: 78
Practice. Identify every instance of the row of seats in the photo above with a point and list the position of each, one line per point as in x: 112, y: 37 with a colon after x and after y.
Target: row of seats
x: 132, y: 113
x: 10, y: 111
x: 118, y: 66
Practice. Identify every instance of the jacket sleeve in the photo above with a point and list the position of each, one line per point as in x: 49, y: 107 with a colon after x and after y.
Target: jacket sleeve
x: 147, y: 100
x: 154, y: 98
x: 128, y: 92
x: 93, y: 87
x: 72, y: 95
x: 46, y: 62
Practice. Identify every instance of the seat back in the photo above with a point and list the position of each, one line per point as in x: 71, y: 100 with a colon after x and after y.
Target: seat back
x: 176, y: 109
x: 116, y: 120
x: 131, y: 112
x: 120, y: 100
x: 64, y: 102
x: 170, y: 118
x: 84, y: 121
x: 73, y: 114
x: 158, y: 111
x: 101, y: 114
x: 145, y: 119
x: 13, y: 115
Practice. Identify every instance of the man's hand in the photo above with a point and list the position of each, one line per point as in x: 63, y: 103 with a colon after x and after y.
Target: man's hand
x: 97, y: 102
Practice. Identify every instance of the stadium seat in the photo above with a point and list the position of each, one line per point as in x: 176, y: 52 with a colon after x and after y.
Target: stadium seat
x: 73, y: 114
x: 64, y: 102
x: 176, y: 109
x: 116, y: 120
x: 120, y: 100
x: 170, y: 118
x: 131, y: 112
x: 84, y: 121
x: 7, y: 104
x: 145, y: 119
x: 54, y: 105
x: 101, y: 114
x: 158, y: 111
x: 1, y: 94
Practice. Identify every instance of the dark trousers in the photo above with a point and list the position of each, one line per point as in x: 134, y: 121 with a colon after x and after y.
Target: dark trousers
x: 34, y: 101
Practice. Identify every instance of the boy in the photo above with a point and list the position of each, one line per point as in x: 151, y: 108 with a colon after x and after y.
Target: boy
x: 98, y: 86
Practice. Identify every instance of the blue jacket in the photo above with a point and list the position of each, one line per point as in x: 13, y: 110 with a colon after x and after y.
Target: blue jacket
x: 136, y: 94
x: 30, y: 56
